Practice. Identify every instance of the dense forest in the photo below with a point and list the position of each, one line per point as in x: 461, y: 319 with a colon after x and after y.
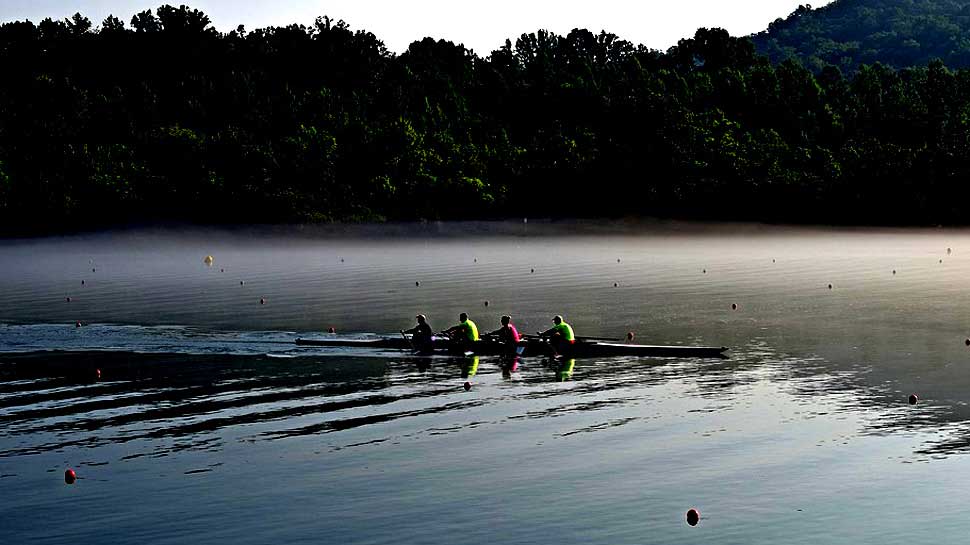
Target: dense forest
x: 851, y: 33
x: 166, y: 119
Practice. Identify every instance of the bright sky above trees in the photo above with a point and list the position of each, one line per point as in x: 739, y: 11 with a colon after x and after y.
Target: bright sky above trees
x: 482, y: 26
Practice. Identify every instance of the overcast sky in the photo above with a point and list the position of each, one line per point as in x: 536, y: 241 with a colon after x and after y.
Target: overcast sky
x: 481, y: 26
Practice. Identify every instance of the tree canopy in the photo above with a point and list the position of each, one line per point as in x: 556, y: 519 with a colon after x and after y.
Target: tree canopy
x: 852, y: 33
x: 166, y: 119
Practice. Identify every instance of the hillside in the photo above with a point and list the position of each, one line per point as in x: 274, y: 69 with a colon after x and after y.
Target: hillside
x: 849, y: 33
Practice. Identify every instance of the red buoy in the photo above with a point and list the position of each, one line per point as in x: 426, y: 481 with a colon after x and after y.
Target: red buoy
x: 467, y: 386
x: 77, y: 324
x: 693, y: 516
x: 913, y: 399
x: 97, y: 373
x: 70, y: 476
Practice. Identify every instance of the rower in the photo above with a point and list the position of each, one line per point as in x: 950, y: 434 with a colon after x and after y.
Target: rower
x: 465, y: 333
x: 507, y: 334
x: 560, y: 335
x: 421, y: 334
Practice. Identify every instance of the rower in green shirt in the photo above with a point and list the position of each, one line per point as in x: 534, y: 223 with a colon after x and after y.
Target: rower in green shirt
x: 560, y: 335
x: 465, y: 333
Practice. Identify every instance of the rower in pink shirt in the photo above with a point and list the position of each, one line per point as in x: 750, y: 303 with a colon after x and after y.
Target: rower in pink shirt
x: 507, y: 333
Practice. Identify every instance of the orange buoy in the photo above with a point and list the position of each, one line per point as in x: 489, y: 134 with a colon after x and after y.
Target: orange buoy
x: 693, y: 516
x: 913, y: 399
x: 467, y: 386
x: 69, y: 476
x: 332, y: 330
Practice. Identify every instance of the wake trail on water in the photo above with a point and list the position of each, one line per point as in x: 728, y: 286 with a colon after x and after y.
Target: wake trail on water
x: 161, y: 339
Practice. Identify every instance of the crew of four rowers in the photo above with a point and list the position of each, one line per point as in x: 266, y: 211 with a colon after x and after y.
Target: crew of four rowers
x: 466, y: 332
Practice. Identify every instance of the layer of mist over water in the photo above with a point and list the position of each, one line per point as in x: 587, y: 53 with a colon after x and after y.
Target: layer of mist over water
x: 208, y: 424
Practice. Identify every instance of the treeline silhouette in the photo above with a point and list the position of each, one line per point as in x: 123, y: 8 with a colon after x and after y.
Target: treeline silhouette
x: 851, y: 33
x: 167, y: 119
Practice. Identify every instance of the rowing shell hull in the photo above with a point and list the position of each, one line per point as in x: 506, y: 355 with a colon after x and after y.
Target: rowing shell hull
x: 532, y: 348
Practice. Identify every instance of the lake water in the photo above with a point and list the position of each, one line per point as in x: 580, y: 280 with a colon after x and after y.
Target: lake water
x: 209, y: 425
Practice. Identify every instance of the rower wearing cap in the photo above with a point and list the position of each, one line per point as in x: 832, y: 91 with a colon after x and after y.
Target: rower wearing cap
x: 560, y: 335
x: 507, y: 334
x: 465, y: 333
x: 421, y: 334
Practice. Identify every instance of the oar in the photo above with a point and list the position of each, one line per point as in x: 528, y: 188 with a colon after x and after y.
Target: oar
x: 408, y: 340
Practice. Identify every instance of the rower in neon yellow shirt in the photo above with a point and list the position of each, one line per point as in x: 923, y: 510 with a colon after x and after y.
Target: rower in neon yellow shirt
x: 466, y: 332
x: 560, y: 335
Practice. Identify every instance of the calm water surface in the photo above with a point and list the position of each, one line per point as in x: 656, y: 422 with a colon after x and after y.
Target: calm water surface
x: 209, y: 425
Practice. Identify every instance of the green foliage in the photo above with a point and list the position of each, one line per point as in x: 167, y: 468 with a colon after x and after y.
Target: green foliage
x: 852, y: 33
x: 169, y: 119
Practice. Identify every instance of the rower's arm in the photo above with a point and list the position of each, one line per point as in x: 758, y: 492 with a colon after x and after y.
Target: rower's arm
x: 547, y: 332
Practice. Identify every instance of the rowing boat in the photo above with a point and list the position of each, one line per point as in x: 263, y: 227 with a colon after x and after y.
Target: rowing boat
x: 530, y: 347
